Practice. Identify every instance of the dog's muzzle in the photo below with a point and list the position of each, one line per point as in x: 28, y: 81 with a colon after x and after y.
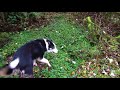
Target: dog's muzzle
x: 55, y: 51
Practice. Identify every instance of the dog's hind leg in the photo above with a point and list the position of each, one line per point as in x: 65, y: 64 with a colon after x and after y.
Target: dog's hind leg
x: 27, y: 71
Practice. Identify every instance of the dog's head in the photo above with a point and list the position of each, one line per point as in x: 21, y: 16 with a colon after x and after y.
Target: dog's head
x: 50, y: 46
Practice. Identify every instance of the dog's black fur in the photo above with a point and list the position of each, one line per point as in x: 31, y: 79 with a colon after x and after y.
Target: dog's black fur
x: 29, y: 52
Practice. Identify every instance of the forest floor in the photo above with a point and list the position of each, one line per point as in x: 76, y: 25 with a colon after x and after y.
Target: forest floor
x: 77, y: 57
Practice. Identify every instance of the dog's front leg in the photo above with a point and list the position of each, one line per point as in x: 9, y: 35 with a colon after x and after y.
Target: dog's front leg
x: 34, y: 63
x: 44, y: 60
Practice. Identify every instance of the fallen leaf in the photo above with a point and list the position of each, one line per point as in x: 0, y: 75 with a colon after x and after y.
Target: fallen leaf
x: 110, y: 60
x: 112, y: 74
x: 73, y: 73
x: 73, y: 62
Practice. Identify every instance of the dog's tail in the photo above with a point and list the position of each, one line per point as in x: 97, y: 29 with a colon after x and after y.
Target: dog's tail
x: 5, y: 70
x: 8, y: 68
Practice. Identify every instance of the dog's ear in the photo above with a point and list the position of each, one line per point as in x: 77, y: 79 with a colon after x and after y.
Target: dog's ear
x: 50, y: 42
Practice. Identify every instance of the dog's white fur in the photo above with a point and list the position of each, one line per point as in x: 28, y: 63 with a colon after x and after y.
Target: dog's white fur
x: 46, y: 44
x: 14, y: 63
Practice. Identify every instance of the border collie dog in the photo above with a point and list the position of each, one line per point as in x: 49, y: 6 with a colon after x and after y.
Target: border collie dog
x: 26, y: 56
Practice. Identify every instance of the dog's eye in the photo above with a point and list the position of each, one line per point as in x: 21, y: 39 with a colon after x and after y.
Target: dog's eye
x: 50, y: 48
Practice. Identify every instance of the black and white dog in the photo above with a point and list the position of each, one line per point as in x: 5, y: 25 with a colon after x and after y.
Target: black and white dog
x: 26, y: 56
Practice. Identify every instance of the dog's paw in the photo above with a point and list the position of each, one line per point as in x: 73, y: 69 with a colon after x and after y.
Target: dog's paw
x: 35, y: 64
x: 49, y: 68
